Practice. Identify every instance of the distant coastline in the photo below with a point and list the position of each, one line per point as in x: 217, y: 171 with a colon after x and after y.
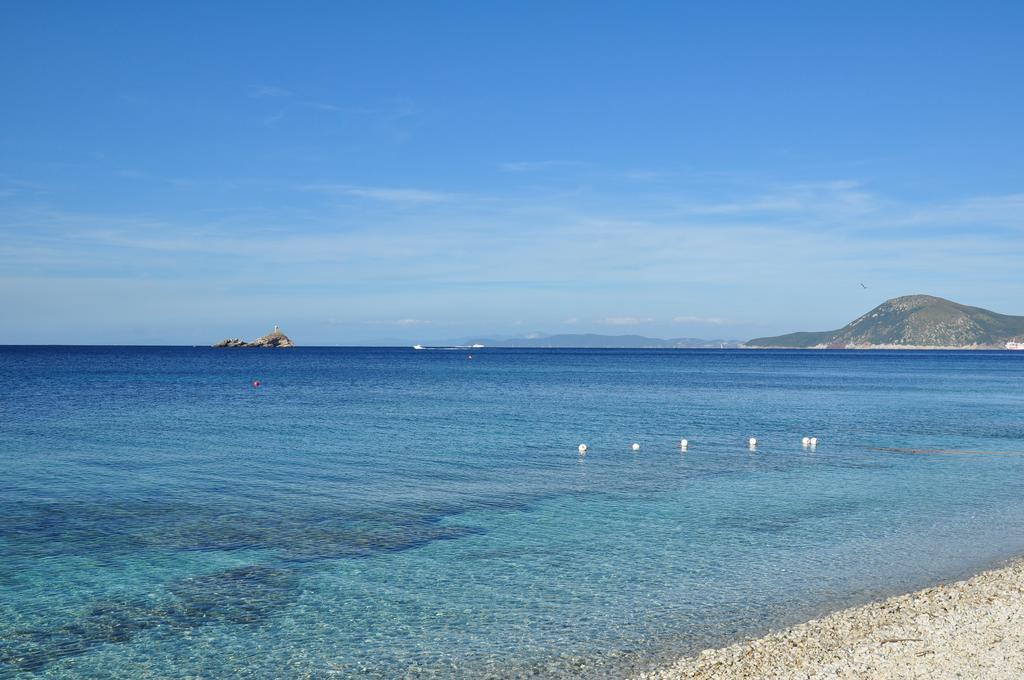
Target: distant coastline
x: 599, y: 341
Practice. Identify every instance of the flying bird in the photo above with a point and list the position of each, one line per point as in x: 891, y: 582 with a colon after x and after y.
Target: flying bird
x: 863, y: 286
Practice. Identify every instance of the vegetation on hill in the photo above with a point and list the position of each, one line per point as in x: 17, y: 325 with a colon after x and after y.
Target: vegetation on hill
x: 911, y: 321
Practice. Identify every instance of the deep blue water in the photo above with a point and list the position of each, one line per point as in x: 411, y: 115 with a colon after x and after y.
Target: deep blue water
x: 390, y: 513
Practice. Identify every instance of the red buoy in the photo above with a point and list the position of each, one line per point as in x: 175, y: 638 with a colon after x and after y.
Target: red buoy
x: 256, y: 383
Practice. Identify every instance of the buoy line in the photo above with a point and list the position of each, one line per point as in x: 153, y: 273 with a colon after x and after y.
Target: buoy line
x: 752, y: 442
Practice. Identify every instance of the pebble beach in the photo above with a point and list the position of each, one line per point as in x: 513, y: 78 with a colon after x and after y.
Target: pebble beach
x: 967, y: 629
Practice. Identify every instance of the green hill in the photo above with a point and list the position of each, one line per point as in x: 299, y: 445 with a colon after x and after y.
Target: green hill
x: 911, y: 321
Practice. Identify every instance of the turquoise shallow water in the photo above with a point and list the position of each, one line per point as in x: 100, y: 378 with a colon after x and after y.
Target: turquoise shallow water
x: 390, y: 513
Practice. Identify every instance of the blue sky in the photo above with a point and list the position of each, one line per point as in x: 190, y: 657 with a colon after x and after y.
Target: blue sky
x: 181, y: 172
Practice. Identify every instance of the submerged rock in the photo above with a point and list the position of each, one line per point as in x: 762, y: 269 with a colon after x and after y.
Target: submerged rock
x: 246, y: 595
x: 274, y: 338
x: 242, y: 595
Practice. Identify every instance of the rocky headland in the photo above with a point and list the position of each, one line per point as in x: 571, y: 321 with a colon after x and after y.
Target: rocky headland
x: 273, y: 339
x: 910, y: 322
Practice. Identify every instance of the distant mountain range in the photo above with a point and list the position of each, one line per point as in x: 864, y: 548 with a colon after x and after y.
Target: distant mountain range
x: 909, y: 322
x: 595, y: 341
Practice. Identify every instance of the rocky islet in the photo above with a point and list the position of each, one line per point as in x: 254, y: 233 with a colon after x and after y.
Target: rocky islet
x: 275, y: 339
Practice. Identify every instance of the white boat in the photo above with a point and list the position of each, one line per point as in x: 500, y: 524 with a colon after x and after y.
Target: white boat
x: 456, y: 347
x: 1015, y: 344
x: 418, y: 347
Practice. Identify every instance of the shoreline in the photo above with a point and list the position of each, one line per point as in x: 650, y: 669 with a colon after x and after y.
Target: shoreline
x: 968, y: 628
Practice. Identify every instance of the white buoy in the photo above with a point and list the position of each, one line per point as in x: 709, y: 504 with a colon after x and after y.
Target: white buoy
x: 683, y: 444
x: 806, y: 441
x: 583, y: 448
x: 753, y: 443
x: 814, y: 442
x: 636, y: 447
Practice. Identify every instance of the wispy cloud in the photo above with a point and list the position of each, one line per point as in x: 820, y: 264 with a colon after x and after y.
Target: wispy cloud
x: 387, y: 194
x: 539, y: 251
x: 838, y: 198
x: 320, y: 106
x: 398, y: 195
x: 645, y: 175
x: 536, y: 166
x: 709, y: 320
x: 176, y: 182
x: 268, y: 91
x: 11, y: 187
x: 1006, y: 210
x: 624, y: 321
x: 400, y: 121
x: 273, y: 119
x: 403, y: 323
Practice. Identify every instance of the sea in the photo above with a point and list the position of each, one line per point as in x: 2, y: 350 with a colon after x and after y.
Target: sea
x: 172, y: 512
